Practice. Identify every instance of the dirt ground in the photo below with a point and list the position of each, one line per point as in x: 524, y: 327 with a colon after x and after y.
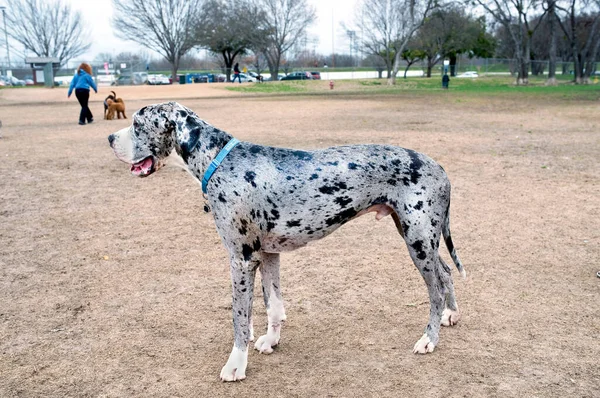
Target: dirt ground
x: 114, y: 286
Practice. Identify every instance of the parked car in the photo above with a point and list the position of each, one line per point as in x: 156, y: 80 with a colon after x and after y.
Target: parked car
x: 316, y: 75
x: 468, y: 74
x: 29, y: 82
x: 298, y: 76
x: 245, y: 78
x: 158, y: 79
x: 11, y: 81
x: 267, y: 77
x: 220, y: 78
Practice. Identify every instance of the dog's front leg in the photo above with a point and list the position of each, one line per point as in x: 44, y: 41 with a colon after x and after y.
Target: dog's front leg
x: 269, y: 271
x: 243, y: 271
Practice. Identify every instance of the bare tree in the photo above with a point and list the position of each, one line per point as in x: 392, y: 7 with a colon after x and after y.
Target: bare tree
x: 388, y: 25
x: 582, y: 31
x: 515, y: 16
x: 47, y: 28
x: 226, y: 31
x: 164, y: 26
x: 550, y: 6
x: 283, y: 24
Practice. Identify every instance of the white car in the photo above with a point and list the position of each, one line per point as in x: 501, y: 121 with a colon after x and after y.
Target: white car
x: 468, y: 74
x: 158, y: 79
x: 244, y: 78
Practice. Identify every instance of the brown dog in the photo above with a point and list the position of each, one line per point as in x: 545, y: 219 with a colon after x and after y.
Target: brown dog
x: 117, y: 105
x: 112, y: 96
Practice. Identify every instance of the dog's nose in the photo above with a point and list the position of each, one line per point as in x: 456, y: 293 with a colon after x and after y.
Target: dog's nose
x: 111, y: 138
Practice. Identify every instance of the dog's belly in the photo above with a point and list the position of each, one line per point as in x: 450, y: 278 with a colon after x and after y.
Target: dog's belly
x: 284, y: 242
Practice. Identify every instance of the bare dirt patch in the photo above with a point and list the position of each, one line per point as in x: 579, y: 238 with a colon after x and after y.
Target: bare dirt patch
x: 115, y: 286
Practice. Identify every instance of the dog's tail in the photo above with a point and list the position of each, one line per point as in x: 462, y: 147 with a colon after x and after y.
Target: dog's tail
x: 114, y: 95
x: 450, y: 245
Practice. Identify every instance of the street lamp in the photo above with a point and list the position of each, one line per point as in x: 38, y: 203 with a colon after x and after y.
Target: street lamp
x: 3, y: 8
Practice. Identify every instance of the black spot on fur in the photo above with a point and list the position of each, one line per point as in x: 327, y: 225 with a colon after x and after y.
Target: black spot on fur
x: 419, y: 205
x: 183, y: 113
x: 255, y: 149
x: 249, y: 177
x: 352, y: 166
x: 341, y: 217
x: 294, y: 223
x: 248, y: 250
x: 418, y: 247
x: 302, y: 155
x: 343, y: 200
x: 414, y: 166
x: 222, y: 198
x: 392, y: 182
x: 313, y: 177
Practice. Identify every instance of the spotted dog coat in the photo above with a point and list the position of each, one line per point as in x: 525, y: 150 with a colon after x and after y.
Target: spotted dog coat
x: 269, y: 200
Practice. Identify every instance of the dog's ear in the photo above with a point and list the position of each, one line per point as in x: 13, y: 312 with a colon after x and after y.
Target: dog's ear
x: 187, y: 134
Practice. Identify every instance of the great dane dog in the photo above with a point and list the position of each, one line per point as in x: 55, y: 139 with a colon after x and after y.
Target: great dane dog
x: 269, y: 200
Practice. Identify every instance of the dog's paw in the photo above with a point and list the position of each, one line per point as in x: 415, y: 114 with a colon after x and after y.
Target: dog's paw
x: 235, y: 368
x: 266, y: 342
x: 450, y: 317
x: 424, y: 345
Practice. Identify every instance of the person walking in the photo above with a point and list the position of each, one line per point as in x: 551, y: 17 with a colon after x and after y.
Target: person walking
x: 82, y: 81
x: 236, y: 73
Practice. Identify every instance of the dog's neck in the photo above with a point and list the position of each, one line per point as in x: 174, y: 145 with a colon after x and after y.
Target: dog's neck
x: 198, y: 143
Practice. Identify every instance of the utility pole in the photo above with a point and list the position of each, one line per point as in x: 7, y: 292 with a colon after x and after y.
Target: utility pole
x: 3, y: 8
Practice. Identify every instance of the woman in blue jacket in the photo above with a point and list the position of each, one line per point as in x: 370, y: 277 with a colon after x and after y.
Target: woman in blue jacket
x: 82, y: 81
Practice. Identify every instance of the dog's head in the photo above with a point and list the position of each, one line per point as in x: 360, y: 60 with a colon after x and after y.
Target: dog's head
x: 112, y: 96
x: 155, y: 132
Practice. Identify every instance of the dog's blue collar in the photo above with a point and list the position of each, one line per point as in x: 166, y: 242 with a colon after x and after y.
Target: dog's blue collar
x: 217, y: 162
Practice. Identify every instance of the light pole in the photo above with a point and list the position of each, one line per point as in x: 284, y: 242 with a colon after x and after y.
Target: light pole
x: 3, y: 8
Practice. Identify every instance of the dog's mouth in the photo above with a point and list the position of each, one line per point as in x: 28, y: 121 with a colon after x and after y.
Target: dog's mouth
x: 144, y: 168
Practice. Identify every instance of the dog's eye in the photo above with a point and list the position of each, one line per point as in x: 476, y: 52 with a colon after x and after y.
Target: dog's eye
x: 136, y: 125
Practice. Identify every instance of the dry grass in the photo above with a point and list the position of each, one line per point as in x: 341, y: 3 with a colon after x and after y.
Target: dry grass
x: 113, y: 286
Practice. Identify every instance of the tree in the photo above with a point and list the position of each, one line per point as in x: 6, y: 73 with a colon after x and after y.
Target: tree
x: 282, y: 24
x: 226, y: 31
x: 552, y: 24
x: 448, y: 32
x: 514, y: 16
x: 388, y: 25
x: 164, y: 26
x: 411, y: 57
x: 47, y: 28
x: 582, y: 31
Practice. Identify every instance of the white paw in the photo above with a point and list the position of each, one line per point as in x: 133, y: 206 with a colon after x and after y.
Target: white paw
x: 450, y: 317
x: 266, y: 342
x: 235, y: 368
x: 423, y: 346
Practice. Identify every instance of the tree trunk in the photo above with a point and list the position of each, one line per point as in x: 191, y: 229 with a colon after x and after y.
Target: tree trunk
x: 174, y: 68
x: 552, y: 50
x: 452, y: 58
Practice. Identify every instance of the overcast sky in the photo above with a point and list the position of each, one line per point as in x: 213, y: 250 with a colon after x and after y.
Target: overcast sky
x: 330, y: 13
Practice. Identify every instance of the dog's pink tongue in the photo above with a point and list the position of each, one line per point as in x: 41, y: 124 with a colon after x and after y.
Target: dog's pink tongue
x: 142, y: 167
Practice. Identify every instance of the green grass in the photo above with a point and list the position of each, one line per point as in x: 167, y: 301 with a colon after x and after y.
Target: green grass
x: 484, y: 86
x: 284, y: 87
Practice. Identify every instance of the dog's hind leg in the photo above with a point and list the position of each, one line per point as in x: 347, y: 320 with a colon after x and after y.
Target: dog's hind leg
x: 451, y: 315
x: 269, y: 271
x: 422, y: 232
x: 243, y: 271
